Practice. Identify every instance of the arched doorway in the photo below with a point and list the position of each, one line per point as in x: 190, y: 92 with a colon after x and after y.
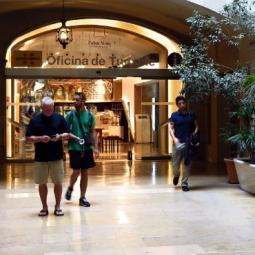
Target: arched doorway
x: 106, y: 48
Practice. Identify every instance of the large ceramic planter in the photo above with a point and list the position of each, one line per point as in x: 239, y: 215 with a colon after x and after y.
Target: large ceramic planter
x: 246, y: 175
x: 231, y: 171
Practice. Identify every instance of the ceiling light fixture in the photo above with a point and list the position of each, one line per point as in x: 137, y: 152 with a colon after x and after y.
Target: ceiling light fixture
x: 64, y: 34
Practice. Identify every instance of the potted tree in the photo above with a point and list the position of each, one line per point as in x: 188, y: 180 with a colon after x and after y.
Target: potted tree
x: 202, y: 76
x: 244, y: 138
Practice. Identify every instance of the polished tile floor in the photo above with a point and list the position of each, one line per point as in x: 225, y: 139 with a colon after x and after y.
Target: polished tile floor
x: 134, y: 210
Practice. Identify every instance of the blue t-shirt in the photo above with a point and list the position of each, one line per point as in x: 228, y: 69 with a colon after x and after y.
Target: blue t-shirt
x: 184, y: 125
x: 41, y: 125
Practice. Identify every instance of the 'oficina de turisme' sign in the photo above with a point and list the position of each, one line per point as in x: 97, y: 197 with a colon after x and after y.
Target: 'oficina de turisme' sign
x: 24, y: 58
x: 96, y: 60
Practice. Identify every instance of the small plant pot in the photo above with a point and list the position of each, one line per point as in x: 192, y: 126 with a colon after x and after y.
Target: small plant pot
x: 231, y: 171
x: 246, y: 175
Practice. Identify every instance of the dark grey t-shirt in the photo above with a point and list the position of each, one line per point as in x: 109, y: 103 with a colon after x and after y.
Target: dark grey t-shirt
x: 42, y: 125
x: 184, y: 125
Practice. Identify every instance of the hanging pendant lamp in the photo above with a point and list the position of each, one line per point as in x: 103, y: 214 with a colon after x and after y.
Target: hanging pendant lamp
x: 64, y: 33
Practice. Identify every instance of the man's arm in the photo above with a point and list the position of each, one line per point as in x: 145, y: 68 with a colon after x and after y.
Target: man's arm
x: 37, y: 139
x: 94, y: 135
x: 65, y: 136
x: 57, y: 137
x: 171, y: 131
x: 65, y: 132
x: 94, y: 138
x: 196, y: 127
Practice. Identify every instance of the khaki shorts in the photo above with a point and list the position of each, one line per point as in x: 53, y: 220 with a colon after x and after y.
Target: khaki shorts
x: 53, y: 168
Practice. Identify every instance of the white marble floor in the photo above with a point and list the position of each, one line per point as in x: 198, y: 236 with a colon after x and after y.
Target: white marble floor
x: 135, y: 210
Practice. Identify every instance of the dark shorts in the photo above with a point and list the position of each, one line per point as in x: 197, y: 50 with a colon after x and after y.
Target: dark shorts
x: 81, y: 160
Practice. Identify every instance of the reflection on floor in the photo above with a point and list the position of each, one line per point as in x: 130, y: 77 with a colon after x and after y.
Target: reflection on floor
x: 134, y: 210
x: 139, y: 151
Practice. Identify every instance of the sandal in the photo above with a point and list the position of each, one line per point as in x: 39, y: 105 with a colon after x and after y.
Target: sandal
x: 43, y: 212
x: 58, y: 212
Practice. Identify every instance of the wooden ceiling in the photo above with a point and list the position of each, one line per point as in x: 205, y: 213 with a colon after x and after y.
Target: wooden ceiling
x: 165, y: 15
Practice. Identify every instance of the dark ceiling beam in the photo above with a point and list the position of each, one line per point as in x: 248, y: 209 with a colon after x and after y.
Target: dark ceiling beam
x: 88, y: 73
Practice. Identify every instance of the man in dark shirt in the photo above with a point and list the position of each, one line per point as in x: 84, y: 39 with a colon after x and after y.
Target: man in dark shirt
x: 182, y: 125
x: 46, y: 130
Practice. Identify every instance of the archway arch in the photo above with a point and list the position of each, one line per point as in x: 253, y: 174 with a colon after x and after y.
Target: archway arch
x: 169, y: 44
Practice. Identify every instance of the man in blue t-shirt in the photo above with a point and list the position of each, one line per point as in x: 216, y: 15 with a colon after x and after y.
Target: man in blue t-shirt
x: 46, y: 130
x: 182, y: 125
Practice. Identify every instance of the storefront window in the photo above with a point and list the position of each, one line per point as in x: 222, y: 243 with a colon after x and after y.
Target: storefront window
x: 136, y: 121
x: 24, y: 97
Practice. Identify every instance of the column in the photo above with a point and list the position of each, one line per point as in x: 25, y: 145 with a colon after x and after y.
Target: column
x: 2, y: 110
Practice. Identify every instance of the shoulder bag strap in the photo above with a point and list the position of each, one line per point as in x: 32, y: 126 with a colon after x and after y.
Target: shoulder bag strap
x: 90, y: 120
x: 80, y: 125
x: 70, y: 121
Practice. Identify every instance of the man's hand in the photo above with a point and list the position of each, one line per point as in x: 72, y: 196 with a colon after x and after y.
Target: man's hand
x: 45, y: 139
x: 176, y: 141
x: 96, y: 153
x: 55, y: 138
x: 74, y: 137
x: 65, y: 136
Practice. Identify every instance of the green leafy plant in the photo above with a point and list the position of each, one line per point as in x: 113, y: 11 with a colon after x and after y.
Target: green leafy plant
x: 244, y: 137
x: 203, y: 76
